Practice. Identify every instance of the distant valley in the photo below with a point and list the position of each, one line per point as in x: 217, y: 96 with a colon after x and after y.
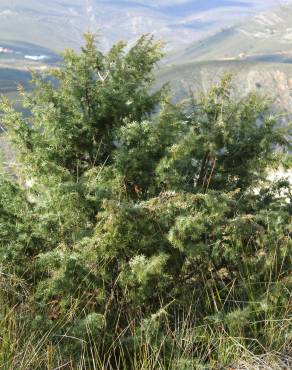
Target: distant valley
x: 252, y: 39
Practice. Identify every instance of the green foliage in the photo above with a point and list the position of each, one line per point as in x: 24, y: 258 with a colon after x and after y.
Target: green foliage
x: 75, y: 112
x: 230, y: 142
x: 141, y: 234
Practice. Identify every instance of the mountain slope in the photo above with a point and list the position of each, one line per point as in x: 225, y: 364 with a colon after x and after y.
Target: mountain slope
x: 56, y: 24
x: 258, y: 52
x: 272, y: 79
x: 33, y: 30
x: 267, y: 34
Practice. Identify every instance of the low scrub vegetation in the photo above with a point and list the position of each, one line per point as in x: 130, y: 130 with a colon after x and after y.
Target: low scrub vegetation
x: 139, y: 234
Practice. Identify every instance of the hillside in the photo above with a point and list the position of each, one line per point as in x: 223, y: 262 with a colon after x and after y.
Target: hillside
x: 57, y: 24
x: 32, y: 34
x: 258, y: 52
x: 273, y: 79
x: 265, y: 37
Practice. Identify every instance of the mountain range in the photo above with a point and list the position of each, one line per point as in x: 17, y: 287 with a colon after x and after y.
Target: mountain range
x: 252, y: 38
x: 257, y: 51
x: 57, y: 24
